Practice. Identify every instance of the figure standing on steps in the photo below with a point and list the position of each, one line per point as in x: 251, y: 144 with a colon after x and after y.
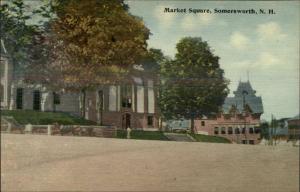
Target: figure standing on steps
x: 128, y: 132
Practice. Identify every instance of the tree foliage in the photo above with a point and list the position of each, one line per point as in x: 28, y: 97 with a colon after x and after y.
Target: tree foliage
x: 15, y: 31
x: 91, y: 42
x: 153, y: 60
x: 192, y: 83
x: 264, y: 130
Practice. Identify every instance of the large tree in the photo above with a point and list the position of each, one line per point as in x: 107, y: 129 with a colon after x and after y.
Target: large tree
x: 192, y: 84
x: 90, y: 43
x: 152, y: 60
x: 16, y: 32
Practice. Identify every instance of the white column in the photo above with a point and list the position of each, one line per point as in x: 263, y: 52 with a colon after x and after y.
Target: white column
x: 112, y: 104
x: 150, y: 97
x: 12, y: 97
x: 140, y: 99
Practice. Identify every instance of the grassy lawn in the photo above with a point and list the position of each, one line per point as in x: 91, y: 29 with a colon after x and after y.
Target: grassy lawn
x: 145, y: 135
x: 45, y: 118
x: 209, y: 138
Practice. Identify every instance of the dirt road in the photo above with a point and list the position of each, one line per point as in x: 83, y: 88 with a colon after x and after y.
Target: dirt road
x: 56, y: 163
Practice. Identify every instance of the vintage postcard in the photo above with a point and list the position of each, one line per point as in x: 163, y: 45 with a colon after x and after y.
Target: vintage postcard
x: 148, y: 95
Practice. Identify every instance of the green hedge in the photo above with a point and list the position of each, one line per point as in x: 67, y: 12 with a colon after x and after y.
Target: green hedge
x: 145, y: 135
x: 44, y: 118
x: 209, y: 138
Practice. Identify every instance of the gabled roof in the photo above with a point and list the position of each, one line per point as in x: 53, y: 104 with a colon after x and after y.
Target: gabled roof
x: 255, y: 104
x: 244, y: 90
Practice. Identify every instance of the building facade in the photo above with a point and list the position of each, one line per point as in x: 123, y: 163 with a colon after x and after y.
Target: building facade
x: 129, y: 104
x: 279, y: 129
x: 294, y: 127
x: 239, y: 120
x: 17, y: 95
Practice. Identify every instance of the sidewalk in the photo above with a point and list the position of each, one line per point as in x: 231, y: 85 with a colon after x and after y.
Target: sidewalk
x: 178, y: 137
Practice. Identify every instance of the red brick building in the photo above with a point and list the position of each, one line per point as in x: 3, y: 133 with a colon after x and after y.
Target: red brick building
x: 294, y: 127
x: 240, y: 117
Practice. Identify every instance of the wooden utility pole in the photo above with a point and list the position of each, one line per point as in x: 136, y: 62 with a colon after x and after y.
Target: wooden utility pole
x: 244, y: 115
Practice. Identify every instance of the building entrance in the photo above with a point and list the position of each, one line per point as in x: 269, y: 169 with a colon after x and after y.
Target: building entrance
x: 126, y: 121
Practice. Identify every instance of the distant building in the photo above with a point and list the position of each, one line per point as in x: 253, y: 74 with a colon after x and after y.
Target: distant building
x: 179, y: 124
x: 240, y: 117
x: 294, y: 127
x: 280, y: 129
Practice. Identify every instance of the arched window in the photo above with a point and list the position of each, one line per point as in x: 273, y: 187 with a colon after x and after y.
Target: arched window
x: 251, y: 131
x: 243, y: 130
x: 237, y: 131
x: 223, y: 130
x: 216, y: 130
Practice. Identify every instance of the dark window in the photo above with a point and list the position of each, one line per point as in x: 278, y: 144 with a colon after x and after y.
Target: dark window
x: 126, y: 102
x: 150, y: 120
x: 56, y: 98
x: 257, y: 130
x: 100, y: 99
x: 251, y: 142
x: 243, y: 130
x: 216, y: 130
x: 36, y: 100
x: 19, y: 98
x: 237, y: 131
x: 202, y: 123
x: 223, y: 130
x: 230, y: 130
x: 251, y: 131
x: 126, y: 96
x: 1, y: 93
x: 244, y: 141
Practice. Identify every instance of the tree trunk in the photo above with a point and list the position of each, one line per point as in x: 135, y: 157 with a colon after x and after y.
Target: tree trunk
x: 101, y: 106
x: 192, y: 125
x: 53, y: 102
x: 160, y: 124
x: 83, y: 95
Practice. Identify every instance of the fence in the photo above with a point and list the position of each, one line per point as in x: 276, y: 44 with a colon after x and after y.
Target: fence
x: 8, y: 125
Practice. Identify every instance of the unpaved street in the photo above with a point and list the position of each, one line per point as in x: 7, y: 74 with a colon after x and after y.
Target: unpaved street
x: 56, y: 163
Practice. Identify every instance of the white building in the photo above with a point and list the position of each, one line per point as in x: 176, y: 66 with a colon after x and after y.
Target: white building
x: 15, y: 94
x: 131, y: 104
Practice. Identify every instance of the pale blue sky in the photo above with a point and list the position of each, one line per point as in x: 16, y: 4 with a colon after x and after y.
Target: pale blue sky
x: 265, y: 45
